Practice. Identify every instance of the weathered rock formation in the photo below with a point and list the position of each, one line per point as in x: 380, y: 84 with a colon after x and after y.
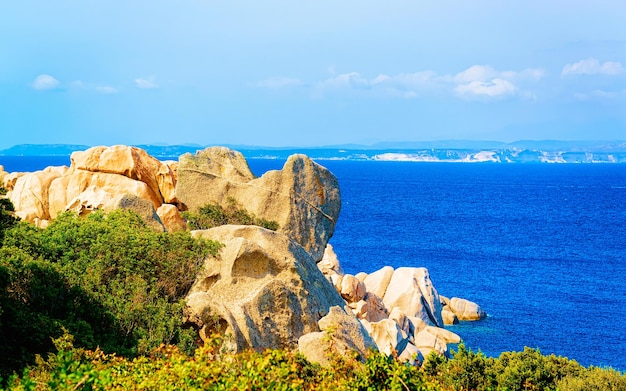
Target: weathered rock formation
x: 99, y: 178
x: 9, y: 179
x: 465, y: 309
x: 171, y: 218
x: 264, y: 290
x: 29, y: 192
x: 303, y: 197
x: 400, y: 309
x: 341, y: 334
x: 130, y: 162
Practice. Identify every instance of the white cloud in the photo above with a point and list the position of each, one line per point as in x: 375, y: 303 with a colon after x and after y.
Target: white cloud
x: 476, y: 81
x: 492, y: 88
x: 475, y: 73
x: 278, y: 82
x: 487, y: 73
x: 402, y: 85
x: 146, y: 84
x: 352, y: 80
x: 486, y: 82
x: 592, y: 66
x: 45, y: 82
x: 106, y: 90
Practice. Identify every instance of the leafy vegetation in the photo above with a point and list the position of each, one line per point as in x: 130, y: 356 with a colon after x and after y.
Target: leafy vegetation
x: 7, y: 220
x: 108, y: 280
x: 214, y: 215
x: 209, y: 368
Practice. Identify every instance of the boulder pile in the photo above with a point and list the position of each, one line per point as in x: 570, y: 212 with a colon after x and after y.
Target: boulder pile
x: 400, y: 308
x: 98, y: 178
x: 265, y: 289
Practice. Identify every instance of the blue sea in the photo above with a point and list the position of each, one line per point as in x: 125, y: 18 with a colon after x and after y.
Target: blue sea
x: 541, y: 247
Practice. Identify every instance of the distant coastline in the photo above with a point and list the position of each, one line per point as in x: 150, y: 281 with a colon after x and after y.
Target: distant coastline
x: 454, y: 151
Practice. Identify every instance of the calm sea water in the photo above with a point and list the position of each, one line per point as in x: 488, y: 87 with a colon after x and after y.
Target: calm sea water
x: 542, y: 248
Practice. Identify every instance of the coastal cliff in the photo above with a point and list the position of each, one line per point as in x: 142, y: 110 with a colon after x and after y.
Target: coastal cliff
x: 268, y: 289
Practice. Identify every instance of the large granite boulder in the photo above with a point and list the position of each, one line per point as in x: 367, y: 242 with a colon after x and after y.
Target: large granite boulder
x: 303, y: 197
x: 171, y: 218
x: 98, y: 178
x: 130, y: 162
x: 29, y: 193
x: 411, y: 290
x: 465, y: 309
x: 263, y: 291
x: 86, y: 190
x: 448, y: 316
x: 378, y: 281
x: 330, y: 263
x: 341, y: 334
x: 9, y: 180
x: 371, y: 308
x: 352, y: 290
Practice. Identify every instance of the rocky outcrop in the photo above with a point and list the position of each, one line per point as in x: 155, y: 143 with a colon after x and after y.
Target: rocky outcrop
x: 10, y: 178
x: 29, y: 193
x: 130, y: 162
x: 264, y: 290
x: 99, y: 178
x: 303, y: 197
x: 171, y: 218
x: 378, y: 281
x: 411, y: 290
x: 329, y: 263
x: 341, y: 334
x: 449, y: 317
x: 465, y: 309
x: 400, y: 309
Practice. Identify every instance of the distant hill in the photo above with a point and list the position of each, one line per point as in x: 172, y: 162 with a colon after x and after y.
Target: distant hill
x: 523, y: 151
x: 42, y: 149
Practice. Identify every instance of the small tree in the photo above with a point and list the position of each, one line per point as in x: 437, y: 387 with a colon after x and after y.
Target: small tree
x: 7, y: 217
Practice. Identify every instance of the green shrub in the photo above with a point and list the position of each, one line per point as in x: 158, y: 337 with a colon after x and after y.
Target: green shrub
x: 594, y: 379
x: 530, y: 370
x: 7, y: 219
x: 166, y: 368
x: 381, y: 372
x: 214, y: 215
x: 512, y: 371
x: 107, y: 278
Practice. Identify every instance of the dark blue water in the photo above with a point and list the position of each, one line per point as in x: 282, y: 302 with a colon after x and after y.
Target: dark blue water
x: 542, y: 248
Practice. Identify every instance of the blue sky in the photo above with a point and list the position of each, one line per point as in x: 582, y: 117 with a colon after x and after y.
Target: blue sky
x: 286, y: 73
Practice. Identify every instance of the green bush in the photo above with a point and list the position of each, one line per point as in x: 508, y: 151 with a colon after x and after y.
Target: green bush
x: 593, y: 379
x: 107, y: 279
x: 7, y: 219
x: 214, y: 215
x: 513, y: 371
x: 530, y: 370
x: 166, y: 368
